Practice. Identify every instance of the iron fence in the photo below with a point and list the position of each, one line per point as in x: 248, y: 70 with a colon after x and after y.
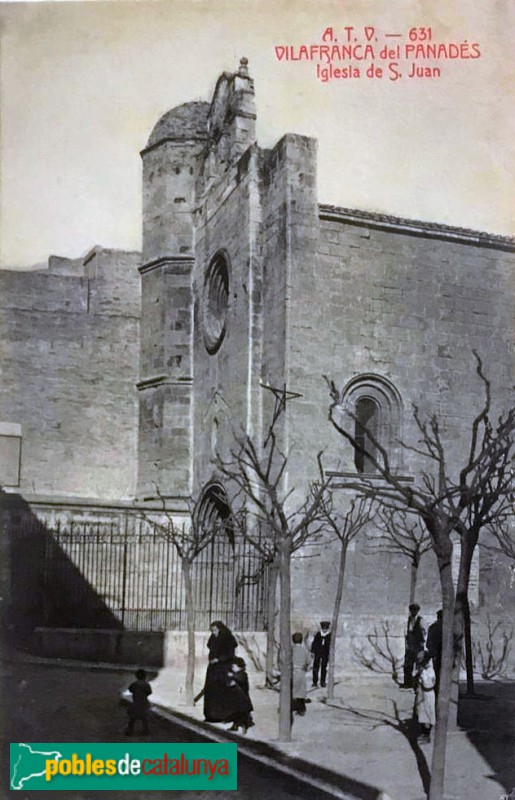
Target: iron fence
x: 121, y: 571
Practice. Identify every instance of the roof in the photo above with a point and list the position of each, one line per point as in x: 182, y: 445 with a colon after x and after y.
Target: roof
x: 413, y: 226
x: 185, y: 122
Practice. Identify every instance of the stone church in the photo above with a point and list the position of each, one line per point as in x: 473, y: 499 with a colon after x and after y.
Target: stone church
x: 124, y: 373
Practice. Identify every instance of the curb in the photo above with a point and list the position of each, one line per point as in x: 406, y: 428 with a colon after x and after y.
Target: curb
x: 332, y: 783
x: 63, y: 663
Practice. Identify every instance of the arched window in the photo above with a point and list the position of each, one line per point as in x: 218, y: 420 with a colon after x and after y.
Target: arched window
x: 214, y: 511
x: 229, y: 576
x: 375, y: 409
x: 366, y: 426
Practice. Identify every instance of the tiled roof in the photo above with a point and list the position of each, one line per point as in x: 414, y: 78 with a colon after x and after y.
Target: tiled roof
x: 412, y: 225
x: 187, y: 121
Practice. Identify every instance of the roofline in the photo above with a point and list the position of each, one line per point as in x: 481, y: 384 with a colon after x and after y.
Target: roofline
x: 177, y: 140
x: 412, y: 227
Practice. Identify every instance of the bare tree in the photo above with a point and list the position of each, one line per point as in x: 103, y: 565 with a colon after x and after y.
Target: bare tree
x: 189, y: 538
x: 503, y: 534
x: 250, y: 530
x: 380, y: 657
x: 492, y: 657
x: 485, y: 498
x: 402, y: 533
x: 445, y: 504
x: 345, y: 527
x: 276, y: 521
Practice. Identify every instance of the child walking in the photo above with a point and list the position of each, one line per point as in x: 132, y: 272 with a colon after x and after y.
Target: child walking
x: 239, y: 695
x: 138, y: 709
x: 301, y: 664
x: 425, y: 697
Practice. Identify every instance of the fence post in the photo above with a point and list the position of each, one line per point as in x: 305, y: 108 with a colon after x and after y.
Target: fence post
x: 124, y: 572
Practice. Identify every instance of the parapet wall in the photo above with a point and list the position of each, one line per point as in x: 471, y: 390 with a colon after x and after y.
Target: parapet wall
x: 70, y: 352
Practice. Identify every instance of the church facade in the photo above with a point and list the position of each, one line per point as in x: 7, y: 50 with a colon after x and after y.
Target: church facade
x: 127, y: 373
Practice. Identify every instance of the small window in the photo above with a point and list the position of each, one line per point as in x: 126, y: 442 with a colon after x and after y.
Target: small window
x: 374, y: 409
x: 365, y: 433
x: 10, y: 453
x: 214, y: 437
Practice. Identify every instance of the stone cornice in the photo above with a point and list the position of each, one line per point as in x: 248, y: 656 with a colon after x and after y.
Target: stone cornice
x: 179, y: 264
x: 60, y: 503
x: 412, y: 227
x: 66, y: 501
x: 370, y: 477
x: 162, y: 380
x: 174, y: 140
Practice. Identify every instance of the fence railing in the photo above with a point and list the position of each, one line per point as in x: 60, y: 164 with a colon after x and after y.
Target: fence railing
x: 119, y: 570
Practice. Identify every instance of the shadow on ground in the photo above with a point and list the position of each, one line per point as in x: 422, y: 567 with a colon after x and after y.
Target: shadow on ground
x: 489, y: 721
x: 398, y: 719
x: 47, y: 604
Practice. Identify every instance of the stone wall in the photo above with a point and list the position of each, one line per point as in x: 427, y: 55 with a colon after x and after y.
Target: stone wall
x: 409, y: 307
x: 170, y: 170
x: 227, y: 380
x: 164, y: 451
x: 318, y: 291
x: 70, y: 352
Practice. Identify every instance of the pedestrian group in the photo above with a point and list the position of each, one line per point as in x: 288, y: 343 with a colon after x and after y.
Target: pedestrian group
x: 422, y: 664
x: 226, y: 688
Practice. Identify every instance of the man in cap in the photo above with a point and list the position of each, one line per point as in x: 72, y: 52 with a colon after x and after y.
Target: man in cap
x: 320, y: 649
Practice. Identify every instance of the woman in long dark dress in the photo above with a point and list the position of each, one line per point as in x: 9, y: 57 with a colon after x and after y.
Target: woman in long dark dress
x: 217, y: 699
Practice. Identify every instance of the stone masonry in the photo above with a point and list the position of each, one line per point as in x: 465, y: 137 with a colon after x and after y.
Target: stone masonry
x: 306, y: 290
x: 70, y: 352
x: 248, y: 281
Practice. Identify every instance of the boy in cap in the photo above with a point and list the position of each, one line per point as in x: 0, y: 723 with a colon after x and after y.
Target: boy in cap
x: 140, y: 706
x: 320, y: 649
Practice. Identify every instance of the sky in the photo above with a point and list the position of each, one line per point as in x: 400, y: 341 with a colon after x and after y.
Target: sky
x: 83, y: 83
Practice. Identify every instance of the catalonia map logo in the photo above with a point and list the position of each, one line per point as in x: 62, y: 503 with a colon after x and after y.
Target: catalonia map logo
x: 108, y: 766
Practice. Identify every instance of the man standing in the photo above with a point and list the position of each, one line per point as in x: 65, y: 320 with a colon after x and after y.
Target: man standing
x: 320, y: 649
x: 434, y: 646
x: 415, y: 643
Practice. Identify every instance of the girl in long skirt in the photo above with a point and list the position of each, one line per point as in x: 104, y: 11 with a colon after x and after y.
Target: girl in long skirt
x: 425, y: 704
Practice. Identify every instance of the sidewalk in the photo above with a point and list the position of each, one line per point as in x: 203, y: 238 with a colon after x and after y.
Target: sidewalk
x: 360, y: 736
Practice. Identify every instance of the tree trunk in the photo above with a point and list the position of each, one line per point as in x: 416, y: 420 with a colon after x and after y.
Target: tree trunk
x: 336, y: 615
x: 286, y: 645
x: 190, y: 621
x: 271, y: 609
x: 436, y: 789
x: 468, y: 545
x: 413, y: 578
x: 469, y: 662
